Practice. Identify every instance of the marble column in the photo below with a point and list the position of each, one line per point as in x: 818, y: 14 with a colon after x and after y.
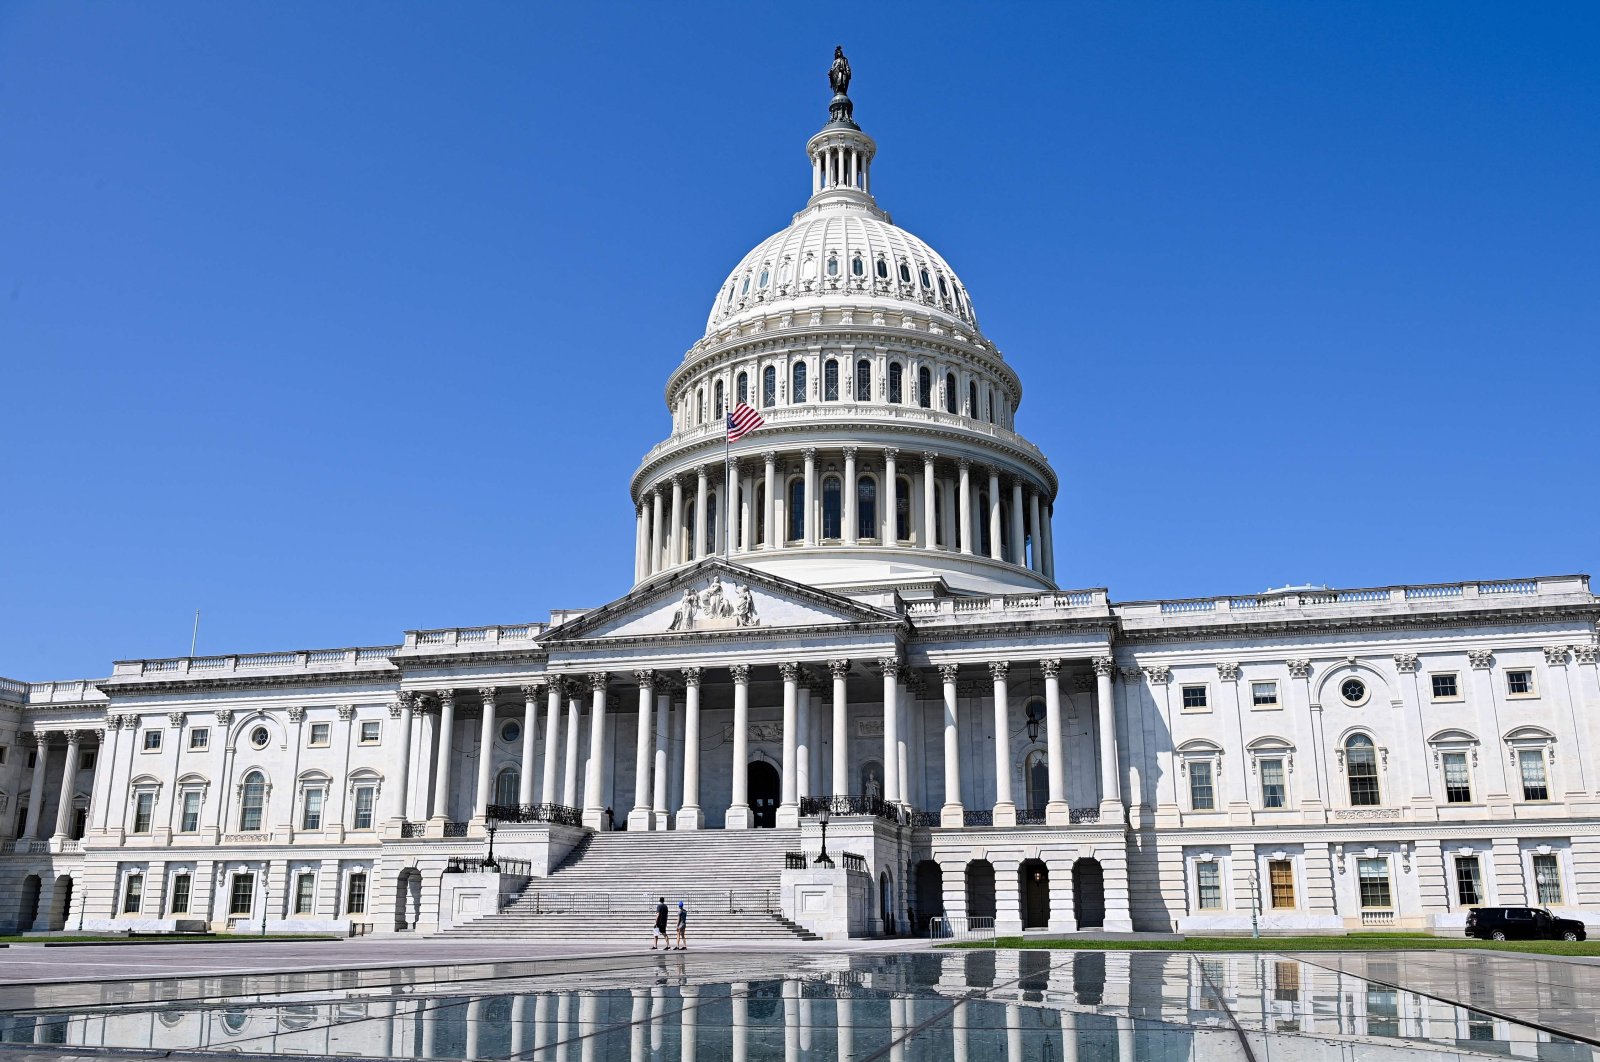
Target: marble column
x: 930, y: 532
x: 594, y: 811
x: 657, y: 543
x: 739, y: 1000
x: 402, y: 713
x: 644, y: 754
x: 69, y: 777
x: 844, y: 1021
x: 485, y: 754
x: 1019, y: 547
x: 964, y: 524
x: 789, y: 807
x: 738, y: 815
x: 745, y: 482
x: 702, y: 494
x: 1049, y: 543
x: 441, y: 771
x: 688, y: 1023
x: 840, y: 670
x: 848, y: 500
x: 953, y: 813
x: 805, y: 741
x: 1036, y: 562
x: 660, y: 819
x: 891, y: 506
x: 1005, y: 810
x: 993, y: 516
x: 641, y: 546
x: 890, y: 666
x: 1110, y: 791
x: 769, y: 508
x: 552, y: 740
x: 808, y: 523
x: 690, y: 817
x: 1056, y: 812
x: 675, y: 544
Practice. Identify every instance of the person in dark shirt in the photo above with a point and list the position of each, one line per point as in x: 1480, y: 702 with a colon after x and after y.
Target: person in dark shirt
x: 683, y: 927
x: 661, y: 924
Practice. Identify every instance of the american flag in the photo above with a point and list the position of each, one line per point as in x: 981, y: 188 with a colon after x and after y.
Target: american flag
x: 742, y: 420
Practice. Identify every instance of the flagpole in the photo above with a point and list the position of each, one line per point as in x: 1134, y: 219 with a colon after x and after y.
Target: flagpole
x: 727, y: 488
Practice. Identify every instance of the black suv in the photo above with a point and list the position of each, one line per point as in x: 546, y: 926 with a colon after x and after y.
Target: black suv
x: 1521, y: 923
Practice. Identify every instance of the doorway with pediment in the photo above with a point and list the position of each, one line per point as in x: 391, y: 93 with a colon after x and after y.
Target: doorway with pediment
x: 765, y: 788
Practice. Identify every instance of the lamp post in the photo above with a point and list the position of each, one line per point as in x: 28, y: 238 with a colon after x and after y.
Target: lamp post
x: 823, y: 860
x: 491, y: 824
x: 1255, y: 902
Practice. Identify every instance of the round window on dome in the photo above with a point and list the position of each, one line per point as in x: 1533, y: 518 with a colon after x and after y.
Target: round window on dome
x: 1353, y: 691
x: 259, y: 737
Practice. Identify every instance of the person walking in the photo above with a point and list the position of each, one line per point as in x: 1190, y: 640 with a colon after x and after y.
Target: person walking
x: 683, y: 926
x: 661, y: 925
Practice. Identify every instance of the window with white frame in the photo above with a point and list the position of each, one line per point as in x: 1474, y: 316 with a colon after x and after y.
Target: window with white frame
x: 1202, y: 785
x: 356, y: 894
x: 1446, y: 686
x: 371, y: 731
x: 144, y: 808
x: 199, y: 739
x: 1547, y: 878
x: 1361, y: 771
x: 305, y: 892
x: 1274, y: 790
x: 1519, y: 682
x: 242, y: 894
x: 1534, y: 772
x: 1264, y: 694
x: 1194, y: 698
x: 311, y: 808
x: 252, y: 801
x: 1280, y: 884
x: 1469, y: 880
x: 1457, y: 778
x: 189, y: 816
x: 321, y: 734
x: 1208, y: 885
x: 152, y: 740
x: 366, y: 798
x: 1372, y: 876
x: 133, y: 894
x: 182, y: 885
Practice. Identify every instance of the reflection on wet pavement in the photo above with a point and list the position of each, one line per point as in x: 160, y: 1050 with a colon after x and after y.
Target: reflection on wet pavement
x: 1033, y: 1005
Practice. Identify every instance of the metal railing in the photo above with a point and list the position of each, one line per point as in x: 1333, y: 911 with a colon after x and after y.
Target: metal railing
x: 476, y: 864
x: 1028, y: 817
x: 854, y: 862
x: 558, y: 814
x: 794, y: 860
x: 629, y: 904
x: 1083, y: 816
x: 413, y: 829
x: 455, y: 829
x: 977, y: 818
x: 849, y: 805
x: 925, y: 818
x: 961, y: 927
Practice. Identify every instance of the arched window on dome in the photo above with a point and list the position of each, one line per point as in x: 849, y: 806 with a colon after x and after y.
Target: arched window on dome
x: 760, y: 515
x: 833, y: 265
x: 797, y: 509
x: 1361, y: 767
x: 769, y: 386
x: 830, y: 380
x: 831, y: 508
x: 742, y: 387
x: 982, y: 518
x: 949, y: 392
x: 866, y: 507
x: 902, y: 509
x: 686, y: 532
x: 744, y: 289
x: 905, y: 273
x: 895, y: 382
x: 944, y: 292
x: 252, y: 802
x: 863, y: 380
x: 924, y: 388
x: 858, y: 267
x: 786, y: 271
x: 712, y: 541
x: 882, y: 268
x: 972, y: 399
x: 927, y: 282
x: 797, y: 378
x: 766, y: 275
x: 732, y: 290
x: 716, y: 404
x: 699, y: 405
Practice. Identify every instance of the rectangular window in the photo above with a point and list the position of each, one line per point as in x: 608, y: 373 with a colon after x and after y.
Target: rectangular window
x: 1519, y: 683
x: 1469, y: 881
x: 1264, y: 694
x: 311, y: 818
x: 144, y: 806
x: 181, y: 886
x: 86, y: 760
x: 364, y: 800
x: 33, y: 758
x: 356, y: 895
x: 152, y: 740
x: 1547, y: 879
x: 1194, y: 698
x: 1457, y: 784
x: 1208, y: 886
x: 305, y: 887
x: 1286, y: 982
x: 190, y: 823
x: 1280, y: 880
x: 1202, y: 796
x: 1273, y: 791
x: 1445, y: 688
x: 133, y: 894
x: 1374, y: 878
x: 1535, y: 786
x: 199, y: 739
x: 320, y: 733
x: 3, y: 750
x: 242, y: 897
x: 371, y: 731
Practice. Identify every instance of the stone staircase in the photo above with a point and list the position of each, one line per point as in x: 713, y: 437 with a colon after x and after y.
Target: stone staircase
x: 608, y: 888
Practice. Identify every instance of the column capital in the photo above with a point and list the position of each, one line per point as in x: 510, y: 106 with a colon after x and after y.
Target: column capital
x: 347, y: 712
x: 1228, y: 670
x: 447, y: 698
x: 890, y: 666
x: 702, y: 472
x: 964, y: 464
x: 948, y: 673
x: 224, y: 717
x: 1586, y: 654
x: 1405, y: 663
x: 488, y: 693
x: 396, y: 708
x: 1104, y: 666
x: 790, y: 671
x: 175, y: 720
x: 533, y: 689
x: 75, y: 737
x: 645, y: 677
x: 598, y: 680
x: 740, y: 673
x: 809, y: 453
x: 769, y: 458
x: 891, y: 452
x: 691, y: 677
x: 1555, y: 655
x: 1481, y: 659
x: 849, y: 453
x: 296, y: 714
x: 1299, y: 669
x: 998, y: 669
x: 1051, y: 667
x: 113, y: 722
x: 1133, y: 675
x: 1158, y: 674
x: 838, y: 668
x: 930, y: 456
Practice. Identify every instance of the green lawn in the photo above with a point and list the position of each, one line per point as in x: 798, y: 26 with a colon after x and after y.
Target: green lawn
x: 164, y: 938
x: 1352, y: 942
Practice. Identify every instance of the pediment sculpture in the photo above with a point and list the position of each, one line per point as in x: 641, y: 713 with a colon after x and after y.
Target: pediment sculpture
x: 715, y: 608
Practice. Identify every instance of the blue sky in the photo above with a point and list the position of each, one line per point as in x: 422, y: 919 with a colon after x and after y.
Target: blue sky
x: 334, y: 320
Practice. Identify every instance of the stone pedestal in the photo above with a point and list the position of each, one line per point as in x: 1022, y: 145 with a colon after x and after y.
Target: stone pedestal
x: 738, y: 817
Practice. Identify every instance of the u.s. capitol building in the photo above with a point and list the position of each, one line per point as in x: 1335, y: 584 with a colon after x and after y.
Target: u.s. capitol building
x: 852, y: 608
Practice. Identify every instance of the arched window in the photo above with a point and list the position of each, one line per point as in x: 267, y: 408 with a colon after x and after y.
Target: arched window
x: 831, y: 507
x: 786, y: 273
x: 1005, y: 530
x: 830, y: 380
x: 764, y: 277
x: 252, y: 801
x: 833, y: 266
x: 867, y: 508
x: 769, y: 386
x: 943, y: 291
x: 717, y: 401
x: 895, y: 374
x: 936, y: 533
x: 1036, y: 772
x: 744, y: 289
x: 883, y: 269
x: 982, y: 516
x: 1361, y: 767
x: 972, y: 399
x: 761, y: 514
x: 742, y: 390
x: 712, y: 541
x: 988, y: 406
x: 902, y: 508
x: 858, y: 268
x: 905, y: 273
x: 731, y: 293
x: 924, y: 388
x: 797, y: 390
x: 949, y: 392
x: 506, y: 786
x: 863, y: 380
x: 797, y: 508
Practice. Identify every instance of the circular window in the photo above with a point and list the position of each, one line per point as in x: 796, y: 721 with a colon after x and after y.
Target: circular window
x: 1353, y: 690
x: 259, y: 737
x: 510, y: 730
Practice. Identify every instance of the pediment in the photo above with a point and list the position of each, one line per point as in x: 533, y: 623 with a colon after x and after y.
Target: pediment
x: 717, y: 596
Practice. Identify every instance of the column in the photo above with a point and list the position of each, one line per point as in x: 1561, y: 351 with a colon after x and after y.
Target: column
x: 848, y: 507
x: 485, y: 753
x: 441, y: 770
x: 640, y: 533
x: 109, y: 755
x: 660, y: 820
x: 402, y: 712
x: 1005, y: 810
x: 36, y: 786
x: 964, y: 529
x: 738, y: 815
x: 569, y: 778
x: 1019, y: 548
x: 739, y: 997
x: 552, y: 740
x: 69, y: 776
x: 845, y: 1026
x: 675, y: 544
x: 902, y: 702
x: 1056, y: 812
x: 1110, y: 791
x: 700, y: 502
x: 840, y: 670
x: 929, y: 485
x: 747, y: 510
x: 890, y: 666
x: 643, y: 754
x: 993, y: 516
x: 891, y: 506
x: 809, y: 522
x: 789, y: 807
x: 657, y: 554
x: 688, y: 1023
x: 953, y: 813
x: 594, y: 812
x: 690, y: 817
x: 1036, y: 562
x: 770, y: 505
x: 530, y: 735
x: 1049, y: 543
x: 805, y: 741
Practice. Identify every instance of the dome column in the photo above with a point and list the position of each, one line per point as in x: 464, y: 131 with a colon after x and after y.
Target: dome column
x: 1037, y: 561
x: 1019, y: 550
x: 890, y: 667
x: 738, y: 815
x: 1049, y: 542
x: 770, y: 506
x: 1005, y: 810
x: 656, y: 515
x: 995, y: 552
x: 965, y: 522
x: 701, y: 520
x: 640, y: 570
x: 789, y: 807
x: 809, y: 521
x: 891, y: 506
x: 929, y: 485
x: 849, y: 507
x: 675, y: 548
x: 747, y: 507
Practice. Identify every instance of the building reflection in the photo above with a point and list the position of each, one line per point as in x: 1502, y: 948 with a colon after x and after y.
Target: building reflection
x: 968, y: 1007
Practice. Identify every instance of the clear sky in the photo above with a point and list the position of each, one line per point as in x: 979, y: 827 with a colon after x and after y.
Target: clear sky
x: 337, y: 319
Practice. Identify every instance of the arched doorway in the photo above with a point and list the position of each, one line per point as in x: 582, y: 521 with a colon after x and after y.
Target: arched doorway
x: 1033, y: 881
x: 61, y: 902
x: 28, y: 907
x: 886, y: 902
x: 980, y: 889
x: 407, y: 898
x: 1089, y: 894
x: 930, y: 895
x: 764, y: 789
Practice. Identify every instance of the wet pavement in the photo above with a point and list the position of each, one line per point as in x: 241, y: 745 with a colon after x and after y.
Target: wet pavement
x: 813, y: 1005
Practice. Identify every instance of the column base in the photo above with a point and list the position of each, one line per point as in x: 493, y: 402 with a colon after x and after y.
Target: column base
x: 1112, y: 813
x: 639, y: 820
x: 1008, y: 927
x: 1005, y: 814
x: 952, y: 816
x: 1056, y: 813
x: 1117, y: 925
x: 738, y: 817
x: 691, y: 818
x: 1062, y: 925
x: 661, y: 819
x: 594, y: 819
x: 788, y: 816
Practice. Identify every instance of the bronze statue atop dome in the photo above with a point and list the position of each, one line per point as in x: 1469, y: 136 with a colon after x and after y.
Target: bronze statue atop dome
x: 840, y: 109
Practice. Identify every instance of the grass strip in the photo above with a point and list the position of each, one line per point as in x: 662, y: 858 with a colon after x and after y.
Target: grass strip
x: 1349, y: 942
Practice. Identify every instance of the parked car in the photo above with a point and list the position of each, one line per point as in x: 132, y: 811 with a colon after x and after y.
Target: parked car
x: 1521, y: 923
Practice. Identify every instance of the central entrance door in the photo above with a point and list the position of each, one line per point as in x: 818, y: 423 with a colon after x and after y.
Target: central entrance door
x: 764, y: 788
